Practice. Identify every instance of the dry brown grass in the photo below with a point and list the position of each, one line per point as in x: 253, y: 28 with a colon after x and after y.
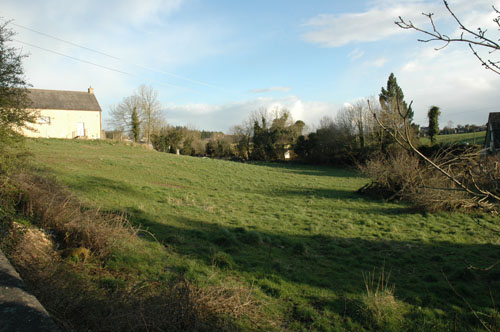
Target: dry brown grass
x: 54, y: 209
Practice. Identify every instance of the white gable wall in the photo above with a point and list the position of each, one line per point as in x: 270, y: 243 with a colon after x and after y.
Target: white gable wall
x: 66, y: 124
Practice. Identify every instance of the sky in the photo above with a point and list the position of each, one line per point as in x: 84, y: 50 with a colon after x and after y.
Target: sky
x: 214, y: 62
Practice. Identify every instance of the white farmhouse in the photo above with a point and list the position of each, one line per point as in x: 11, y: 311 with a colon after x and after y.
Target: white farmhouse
x: 65, y: 114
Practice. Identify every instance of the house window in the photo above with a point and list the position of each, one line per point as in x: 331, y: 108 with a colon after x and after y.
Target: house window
x: 44, y: 120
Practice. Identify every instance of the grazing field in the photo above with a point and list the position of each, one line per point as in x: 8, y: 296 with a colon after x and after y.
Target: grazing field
x: 312, y: 250
x: 466, y: 138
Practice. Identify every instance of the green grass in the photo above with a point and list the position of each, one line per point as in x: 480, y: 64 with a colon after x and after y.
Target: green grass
x: 470, y: 138
x: 299, y: 235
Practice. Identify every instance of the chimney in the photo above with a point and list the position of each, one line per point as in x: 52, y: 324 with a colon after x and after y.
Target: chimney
x: 91, y: 90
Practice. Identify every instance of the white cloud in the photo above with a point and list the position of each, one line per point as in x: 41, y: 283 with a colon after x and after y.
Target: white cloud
x: 145, y: 11
x: 377, y: 22
x: 207, y: 116
x: 272, y: 89
x: 410, y: 67
x: 374, y: 24
x: 143, y: 32
x: 452, y: 79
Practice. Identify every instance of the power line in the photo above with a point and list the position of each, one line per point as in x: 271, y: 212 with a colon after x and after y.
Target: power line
x: 71, y: 57
x: 114, y: 57
x: 65, y: 41
x: 92, y: 63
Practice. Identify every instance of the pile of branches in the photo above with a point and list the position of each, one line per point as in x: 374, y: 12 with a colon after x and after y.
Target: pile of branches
x: 406, y: 176
x: 451, y: 179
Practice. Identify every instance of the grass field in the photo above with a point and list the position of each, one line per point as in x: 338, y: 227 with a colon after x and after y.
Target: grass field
x: 301, y: 236
x: 470, y: 138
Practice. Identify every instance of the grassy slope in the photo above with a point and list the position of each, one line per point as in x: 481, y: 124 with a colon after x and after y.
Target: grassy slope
x: 471, y: 138
x: 300, y: 235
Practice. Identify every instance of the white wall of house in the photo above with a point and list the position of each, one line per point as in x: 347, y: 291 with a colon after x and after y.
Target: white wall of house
x: 66, y: 124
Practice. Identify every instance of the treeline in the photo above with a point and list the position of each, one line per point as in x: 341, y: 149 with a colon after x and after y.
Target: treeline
x: 350, y: 137
x: 460, y: 129
x: 268, y: 135
x: 345, y: 139
x: 185, y: 141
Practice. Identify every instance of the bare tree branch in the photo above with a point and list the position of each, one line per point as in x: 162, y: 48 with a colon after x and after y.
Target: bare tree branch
x: 477, y: 37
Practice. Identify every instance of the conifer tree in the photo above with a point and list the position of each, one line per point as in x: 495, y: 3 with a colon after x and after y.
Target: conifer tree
x: 393, y: 95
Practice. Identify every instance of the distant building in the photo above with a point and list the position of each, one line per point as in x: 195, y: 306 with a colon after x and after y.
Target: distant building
x: 66, y: 114
x: 481, y: 128
x: 424, y: 131
x: 492, y: 139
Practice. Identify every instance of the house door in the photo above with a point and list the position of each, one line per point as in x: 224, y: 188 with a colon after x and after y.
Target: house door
x: 80, y: 129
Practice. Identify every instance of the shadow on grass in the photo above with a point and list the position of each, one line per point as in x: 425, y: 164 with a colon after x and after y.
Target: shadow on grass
x: 279, y: 263
x: 313, y: 170
x: 313, y: 192
x: 90, y: 184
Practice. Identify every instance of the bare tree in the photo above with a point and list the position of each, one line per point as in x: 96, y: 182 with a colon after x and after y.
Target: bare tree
x: 145, y: 102
x: 150, y: 110
x: 356, y: 119
x: 475, y: 38
x: 121, y: 114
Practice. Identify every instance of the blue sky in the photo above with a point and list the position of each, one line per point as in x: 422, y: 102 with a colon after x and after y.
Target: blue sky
x: 214, y: 62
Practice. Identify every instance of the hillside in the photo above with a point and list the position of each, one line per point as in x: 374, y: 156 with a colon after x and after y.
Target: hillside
x: 300, y: 237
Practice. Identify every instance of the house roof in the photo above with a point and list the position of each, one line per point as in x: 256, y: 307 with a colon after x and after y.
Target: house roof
x: 494, y: 120
x: 63, y: 100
